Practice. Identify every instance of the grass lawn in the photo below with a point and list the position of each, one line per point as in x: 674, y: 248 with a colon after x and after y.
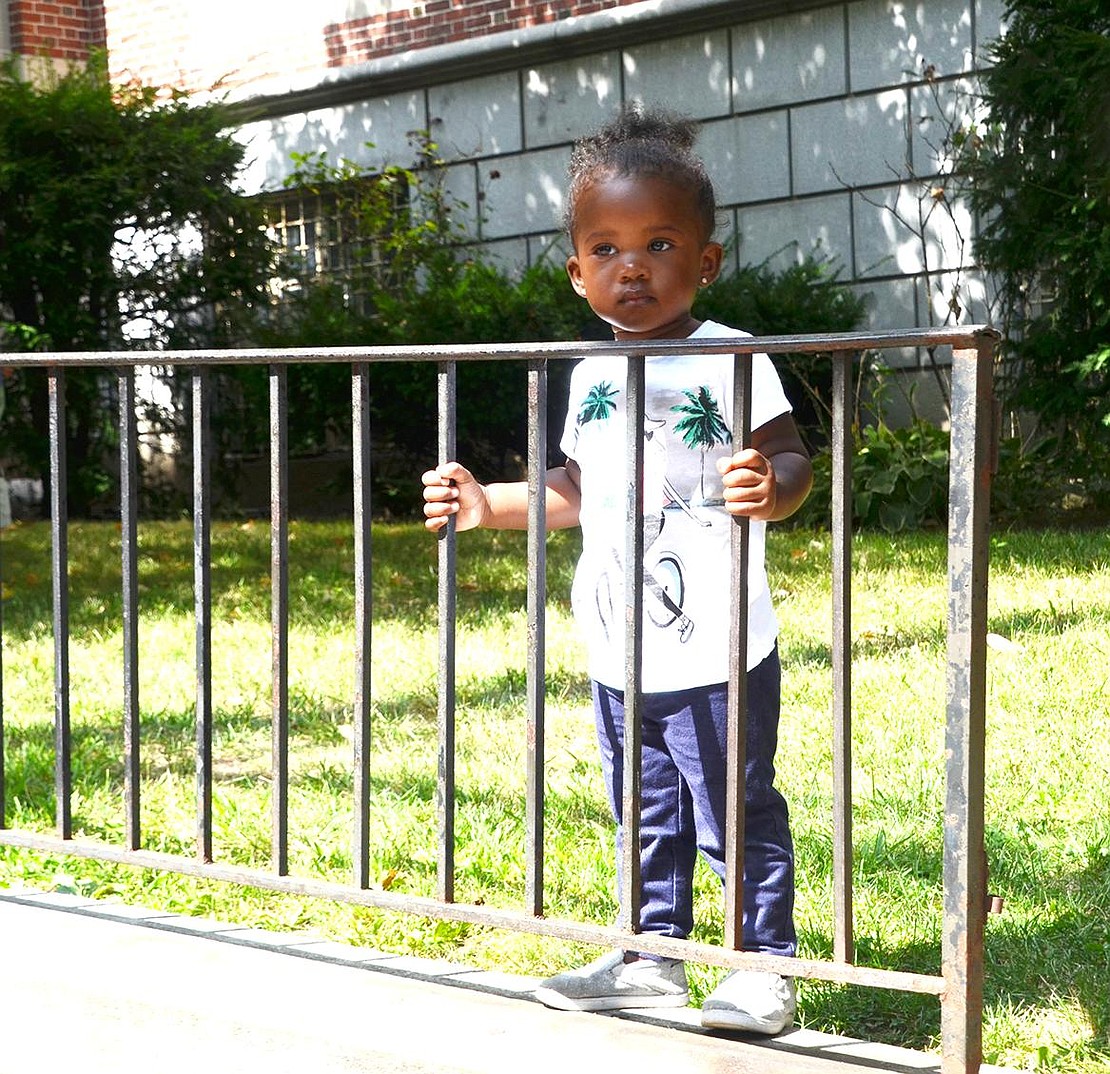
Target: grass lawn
x: 1048, y: 767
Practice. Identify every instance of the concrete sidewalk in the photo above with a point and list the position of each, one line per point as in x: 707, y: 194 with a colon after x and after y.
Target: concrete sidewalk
x: 98, y: 987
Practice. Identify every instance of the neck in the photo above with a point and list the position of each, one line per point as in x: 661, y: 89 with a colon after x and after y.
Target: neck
x: 680, y: 329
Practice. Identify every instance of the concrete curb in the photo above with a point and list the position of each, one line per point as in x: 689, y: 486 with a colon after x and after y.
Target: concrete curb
x: 800, y: 1046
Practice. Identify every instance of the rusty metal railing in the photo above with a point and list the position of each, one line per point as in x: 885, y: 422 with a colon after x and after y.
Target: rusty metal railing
x: 958, y: 985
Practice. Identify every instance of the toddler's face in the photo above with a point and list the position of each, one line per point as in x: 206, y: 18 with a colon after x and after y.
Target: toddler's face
x: 640, y: 255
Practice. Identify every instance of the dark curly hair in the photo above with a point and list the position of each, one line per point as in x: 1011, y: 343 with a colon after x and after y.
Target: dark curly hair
x: 641, y: 142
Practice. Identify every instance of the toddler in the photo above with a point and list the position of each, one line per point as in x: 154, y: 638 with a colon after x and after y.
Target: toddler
x: 640, y: 219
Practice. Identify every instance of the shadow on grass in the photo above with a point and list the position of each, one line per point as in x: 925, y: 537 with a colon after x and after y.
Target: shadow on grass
x: 242, y: 743
x: 1052, y: 942
x: 491, y: 573
x: 1054, y: 939
x: 931, y: 636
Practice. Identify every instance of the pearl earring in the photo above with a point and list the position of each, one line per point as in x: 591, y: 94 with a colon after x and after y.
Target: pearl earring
x: 704, y: 281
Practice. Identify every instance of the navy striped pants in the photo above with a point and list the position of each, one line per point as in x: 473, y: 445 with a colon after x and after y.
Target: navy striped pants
x: 683, y: 806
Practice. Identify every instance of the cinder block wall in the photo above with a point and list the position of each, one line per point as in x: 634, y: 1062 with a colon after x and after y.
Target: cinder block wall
x: 812, y: 119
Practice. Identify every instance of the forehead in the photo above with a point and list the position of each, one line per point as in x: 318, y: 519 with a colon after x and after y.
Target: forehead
x: 636, y: 200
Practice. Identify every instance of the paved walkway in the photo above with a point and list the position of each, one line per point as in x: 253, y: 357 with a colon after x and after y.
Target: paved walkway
x: 103, y: 988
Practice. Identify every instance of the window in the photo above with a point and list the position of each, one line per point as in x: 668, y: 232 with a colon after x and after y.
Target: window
x: 5, y: 30
x: 337, y: 233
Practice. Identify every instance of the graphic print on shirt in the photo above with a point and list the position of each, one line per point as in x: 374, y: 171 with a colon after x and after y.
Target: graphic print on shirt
x: 674, y: 481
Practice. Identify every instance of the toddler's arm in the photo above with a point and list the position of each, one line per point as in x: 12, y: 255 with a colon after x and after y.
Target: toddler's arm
x: 769, y: 480
x: 451, y: 489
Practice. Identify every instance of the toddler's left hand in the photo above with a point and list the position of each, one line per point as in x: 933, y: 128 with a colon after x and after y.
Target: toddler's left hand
x: 749, y: 481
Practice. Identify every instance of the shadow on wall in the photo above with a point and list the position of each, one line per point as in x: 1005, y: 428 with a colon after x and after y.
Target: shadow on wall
x: 370, y: 133
x: 817, y: 136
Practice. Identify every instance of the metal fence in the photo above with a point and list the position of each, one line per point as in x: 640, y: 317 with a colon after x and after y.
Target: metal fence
x: 958, y: 984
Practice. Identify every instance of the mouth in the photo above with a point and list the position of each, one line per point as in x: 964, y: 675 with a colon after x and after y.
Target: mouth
x: 636, y: 297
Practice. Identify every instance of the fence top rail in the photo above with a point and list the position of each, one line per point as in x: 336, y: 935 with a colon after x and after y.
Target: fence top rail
x: 966, y: 336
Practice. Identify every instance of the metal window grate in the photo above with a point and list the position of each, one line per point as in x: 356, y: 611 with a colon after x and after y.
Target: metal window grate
x: 322, y: 237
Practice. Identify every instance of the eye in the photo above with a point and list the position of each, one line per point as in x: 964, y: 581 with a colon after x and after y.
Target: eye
x: 657, y: 246
x: 604, y: 249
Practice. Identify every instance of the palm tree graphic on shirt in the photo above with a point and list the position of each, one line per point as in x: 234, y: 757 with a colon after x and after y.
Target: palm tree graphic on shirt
x: 599, y: 404
x: 701, y: 425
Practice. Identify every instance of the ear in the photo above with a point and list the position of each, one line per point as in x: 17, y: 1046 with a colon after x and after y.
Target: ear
x: 574, y: 271
x: 711, y: 258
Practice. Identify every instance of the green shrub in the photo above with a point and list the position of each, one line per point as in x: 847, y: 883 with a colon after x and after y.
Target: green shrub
x: 803, y: 298
x: 900, y: 482
x: 899, y: 479
x: 452, y: 293
x: 1031, y: 488
x: 1039, y: 177
x: 419, y: 283
x: 88, y: 168
x: 466, y: 301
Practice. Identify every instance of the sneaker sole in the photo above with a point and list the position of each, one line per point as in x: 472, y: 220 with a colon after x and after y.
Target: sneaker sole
x: 550, y: 998
x: 741, y: 1020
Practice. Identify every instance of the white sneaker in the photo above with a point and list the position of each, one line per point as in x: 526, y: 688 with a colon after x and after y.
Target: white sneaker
x: 611, y: 984
x: 753, y: 1001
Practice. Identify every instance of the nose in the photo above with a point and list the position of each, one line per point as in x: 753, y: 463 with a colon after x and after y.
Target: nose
x: 633, y: 267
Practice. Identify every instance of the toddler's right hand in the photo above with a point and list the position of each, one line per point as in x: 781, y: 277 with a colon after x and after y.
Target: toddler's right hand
x: 452, y: 490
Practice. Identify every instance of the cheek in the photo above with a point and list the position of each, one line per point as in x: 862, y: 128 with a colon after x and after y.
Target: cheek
x: 593, y: 281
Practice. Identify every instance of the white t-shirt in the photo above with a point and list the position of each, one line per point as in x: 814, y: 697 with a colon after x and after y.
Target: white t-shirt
x: 687, y: 542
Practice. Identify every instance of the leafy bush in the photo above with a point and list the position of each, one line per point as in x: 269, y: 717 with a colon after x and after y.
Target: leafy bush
x: 461, y: 301
x: 1029, y: 489
x: 451, y: 293
x: 88, y: 173
x: 899, y: 479
x: 803, y: 298
x: 900, y: 482
x: 474, y: 301
x: 1039, y: 169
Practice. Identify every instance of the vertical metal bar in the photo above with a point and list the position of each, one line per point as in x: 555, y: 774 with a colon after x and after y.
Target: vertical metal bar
x: 59, y: 527
x: 842, y: 449
x: 279, y: 615
x: 360, y: 424
x: 537, y: 631
x: 445, y: 776
x: 129, y: 572
x: 202, y: 605
x: 3, y: 763
x: 631, y: 779
x: 965, y: 882
x: 737, y: 737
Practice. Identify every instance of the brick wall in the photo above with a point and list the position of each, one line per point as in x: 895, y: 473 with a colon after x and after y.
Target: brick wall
x: 437, y: 22
x: 149, y: 41
x: 60, y: 30
x: 195, y: 44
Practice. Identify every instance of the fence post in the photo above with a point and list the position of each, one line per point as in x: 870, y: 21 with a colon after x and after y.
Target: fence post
x: 363, y: 581
x: 736, y: 749
x: 447, y: 396
x: 279, y: 617
x: 965, y: 882
x: 202, y: 603
x: 842, y: 449
x: 129, y: 593
x: 631, y: 897
x: 59, y: 529
x: 537, y: 633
